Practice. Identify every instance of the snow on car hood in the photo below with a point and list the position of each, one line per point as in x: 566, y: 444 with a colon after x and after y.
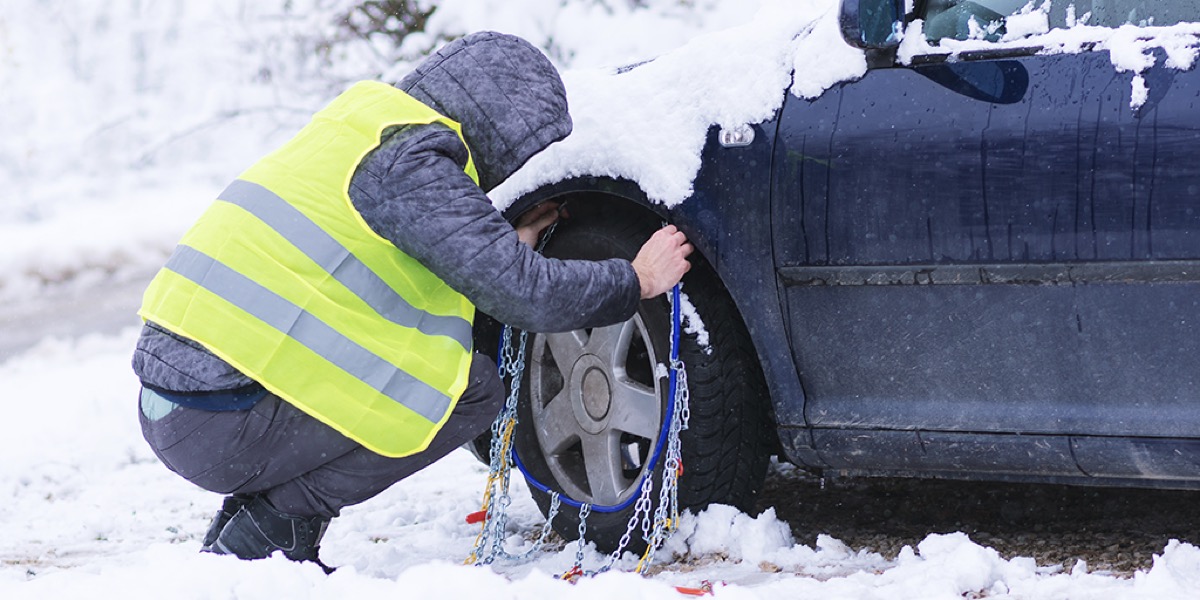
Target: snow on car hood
x: 648, y: 124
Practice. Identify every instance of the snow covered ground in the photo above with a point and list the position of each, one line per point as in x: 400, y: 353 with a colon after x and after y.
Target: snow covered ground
x: 89, y: 512
x: 123, y: 118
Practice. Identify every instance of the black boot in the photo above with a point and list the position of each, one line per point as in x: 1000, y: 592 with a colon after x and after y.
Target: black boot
x: 258, y: 530
x: 230, y: 507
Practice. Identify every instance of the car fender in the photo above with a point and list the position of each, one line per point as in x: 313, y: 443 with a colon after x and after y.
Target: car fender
x: 732, y: 232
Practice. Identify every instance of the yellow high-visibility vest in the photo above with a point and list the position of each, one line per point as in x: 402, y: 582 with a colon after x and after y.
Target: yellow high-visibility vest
x: 283, y: 279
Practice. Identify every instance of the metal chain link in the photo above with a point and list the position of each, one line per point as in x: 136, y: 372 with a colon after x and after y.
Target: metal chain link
x: 666, y: 514
x: 584, y: 511
x: 641, y: 514
x: 496, y: 496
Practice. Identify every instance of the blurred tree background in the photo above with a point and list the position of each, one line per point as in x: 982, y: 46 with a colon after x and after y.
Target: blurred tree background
x: 137, y: 89
x: 387, y: 36
x: 391, y: 20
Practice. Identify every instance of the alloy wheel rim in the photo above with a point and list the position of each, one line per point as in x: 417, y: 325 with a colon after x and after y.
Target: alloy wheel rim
x: 596, y: 400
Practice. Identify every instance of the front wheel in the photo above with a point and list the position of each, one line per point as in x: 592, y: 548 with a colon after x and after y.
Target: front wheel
x: 594, y: 401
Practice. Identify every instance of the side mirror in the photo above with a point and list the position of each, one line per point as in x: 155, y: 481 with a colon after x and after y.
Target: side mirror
x: 872, y: 24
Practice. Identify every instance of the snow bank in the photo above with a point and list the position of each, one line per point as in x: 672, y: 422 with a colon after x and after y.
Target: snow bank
x: 84, y: 243
x: 947, y: 566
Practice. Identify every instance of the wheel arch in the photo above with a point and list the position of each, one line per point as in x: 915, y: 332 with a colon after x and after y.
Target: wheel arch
x: 703, y: 239
x: 588, y: 189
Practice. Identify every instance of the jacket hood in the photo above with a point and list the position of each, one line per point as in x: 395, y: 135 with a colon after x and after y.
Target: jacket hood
x: 508, y: 97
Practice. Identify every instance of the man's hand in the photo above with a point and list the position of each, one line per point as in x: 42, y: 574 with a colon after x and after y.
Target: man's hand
x: 530, y: 225
x: 662, y: 261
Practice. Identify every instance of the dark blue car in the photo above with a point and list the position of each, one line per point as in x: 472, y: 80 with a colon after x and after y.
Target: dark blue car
x: 982, y: 264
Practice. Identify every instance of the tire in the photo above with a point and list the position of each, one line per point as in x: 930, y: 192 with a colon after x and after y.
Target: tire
x: 588, y: 429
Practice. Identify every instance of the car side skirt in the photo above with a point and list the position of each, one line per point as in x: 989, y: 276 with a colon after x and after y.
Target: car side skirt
x: 1168, y: 463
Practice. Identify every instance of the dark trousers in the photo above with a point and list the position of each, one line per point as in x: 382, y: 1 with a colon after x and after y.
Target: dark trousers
x: 303, y: 466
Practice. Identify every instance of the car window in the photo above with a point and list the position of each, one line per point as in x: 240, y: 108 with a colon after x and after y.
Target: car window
x: 989, y: 19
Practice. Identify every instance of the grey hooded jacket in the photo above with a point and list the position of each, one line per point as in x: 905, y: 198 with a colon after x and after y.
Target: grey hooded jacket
x: 412, y: 191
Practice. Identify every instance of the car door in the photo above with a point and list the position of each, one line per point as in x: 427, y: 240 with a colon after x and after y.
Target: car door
x: 987, y: 255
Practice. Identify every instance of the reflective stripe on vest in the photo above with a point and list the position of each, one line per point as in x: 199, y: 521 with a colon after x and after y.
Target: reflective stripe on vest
x: 310, y: 331
x: 338, y: 262
x: 283, y: 279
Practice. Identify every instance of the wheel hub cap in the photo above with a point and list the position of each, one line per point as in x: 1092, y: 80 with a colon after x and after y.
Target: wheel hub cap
x: 591, y: 393
x: 597, y: 396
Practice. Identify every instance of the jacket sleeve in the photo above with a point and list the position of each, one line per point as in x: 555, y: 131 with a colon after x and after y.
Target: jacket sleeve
x: 413, y: 192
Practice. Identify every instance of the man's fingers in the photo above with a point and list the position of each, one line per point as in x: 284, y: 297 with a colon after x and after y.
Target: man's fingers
x: 539, y: 214
x: 546, y: 219
x: 547, y: 209
x: 662, y: 261
x: 531, y: 224
x: 670, y: 236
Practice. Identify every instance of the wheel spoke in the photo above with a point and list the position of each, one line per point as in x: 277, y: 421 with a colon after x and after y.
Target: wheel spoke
x: 557, y: 427
x: 602, y: 461
x: 636, y: 410
x: 605, y: 342
x: 566, y: 348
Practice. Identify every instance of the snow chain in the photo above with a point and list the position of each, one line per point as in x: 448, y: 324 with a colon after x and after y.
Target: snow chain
x: 656, y: 525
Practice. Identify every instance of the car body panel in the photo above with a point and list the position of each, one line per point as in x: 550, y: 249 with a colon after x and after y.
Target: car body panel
x: 994, y: 247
